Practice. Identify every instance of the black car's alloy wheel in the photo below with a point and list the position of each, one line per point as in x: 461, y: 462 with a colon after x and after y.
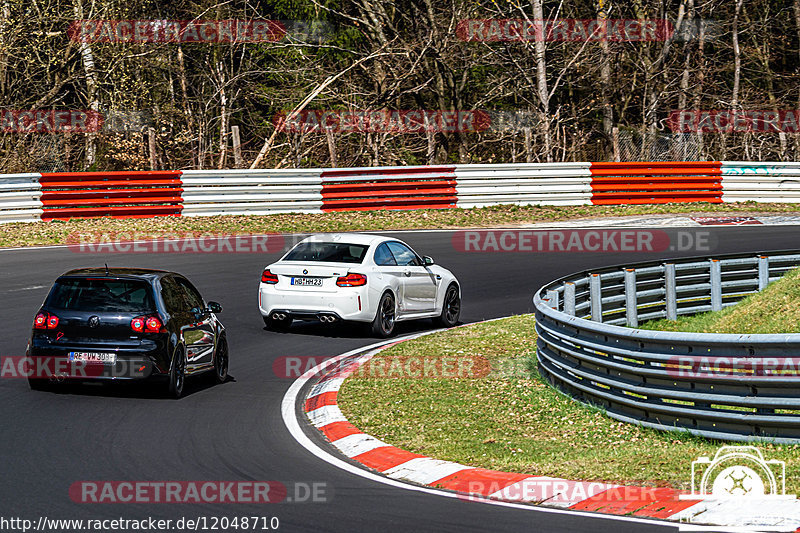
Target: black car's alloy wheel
x: 177, y: 374
x: 221, y: 361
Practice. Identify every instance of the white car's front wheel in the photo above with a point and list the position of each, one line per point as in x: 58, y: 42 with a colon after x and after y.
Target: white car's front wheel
x: 384, y: 321
x: 451, y: 307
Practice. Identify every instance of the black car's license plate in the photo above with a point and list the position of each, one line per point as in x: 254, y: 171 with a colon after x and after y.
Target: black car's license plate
x: 93, y: 357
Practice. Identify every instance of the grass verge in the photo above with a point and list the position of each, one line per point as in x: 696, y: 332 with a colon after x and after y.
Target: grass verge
x: 776, y: 309
x: 57, y: 232
x: 511, y: 420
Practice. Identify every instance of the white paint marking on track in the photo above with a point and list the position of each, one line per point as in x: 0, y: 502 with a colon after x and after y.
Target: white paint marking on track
x: 31, y: 288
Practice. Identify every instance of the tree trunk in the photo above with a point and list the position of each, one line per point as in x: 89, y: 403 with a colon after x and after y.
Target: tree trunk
x: 541, y: 80
x: 223, y: 119
x: 605, y: 73
x: 737, y: 71
x: 91, y: 90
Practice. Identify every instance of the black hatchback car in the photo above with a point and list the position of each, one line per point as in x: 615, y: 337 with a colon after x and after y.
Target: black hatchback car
x: 123, y: 324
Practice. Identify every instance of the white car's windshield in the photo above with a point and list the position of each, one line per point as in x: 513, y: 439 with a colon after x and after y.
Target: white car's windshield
x: 328, y: 252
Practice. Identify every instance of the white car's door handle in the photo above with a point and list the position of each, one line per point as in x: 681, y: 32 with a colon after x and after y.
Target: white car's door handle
x: 407, y: 273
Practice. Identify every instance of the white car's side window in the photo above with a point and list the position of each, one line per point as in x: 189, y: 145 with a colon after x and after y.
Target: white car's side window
x: 383, y: 257
x: 403, y: 254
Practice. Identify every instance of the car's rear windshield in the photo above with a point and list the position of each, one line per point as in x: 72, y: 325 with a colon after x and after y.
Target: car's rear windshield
x: 99, y: 294
x: 328, y: 252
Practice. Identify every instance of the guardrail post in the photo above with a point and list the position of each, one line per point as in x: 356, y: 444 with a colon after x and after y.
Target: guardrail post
x: 716, y: 284
x: 631, y: 310
x: 596, y: 298
x: 552, y: 299
x: 670, y: 291
x: 763, y: 272
x: 569, y: 298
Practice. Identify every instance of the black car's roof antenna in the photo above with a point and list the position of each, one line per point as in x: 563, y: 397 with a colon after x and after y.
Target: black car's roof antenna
x: 107, y: 273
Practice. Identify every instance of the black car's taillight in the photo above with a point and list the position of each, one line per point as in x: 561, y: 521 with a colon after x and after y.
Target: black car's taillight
x: 269, y: 277
x: 45, y: 320
x: 147, y: 324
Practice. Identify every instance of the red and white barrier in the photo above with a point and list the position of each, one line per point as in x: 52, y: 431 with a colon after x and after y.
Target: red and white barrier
x: 117, y: 194
x: 34, y: 196
x: 656, y: 183
x: 363, y: 189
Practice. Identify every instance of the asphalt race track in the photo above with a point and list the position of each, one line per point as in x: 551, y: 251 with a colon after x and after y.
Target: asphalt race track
x: 234, y: 432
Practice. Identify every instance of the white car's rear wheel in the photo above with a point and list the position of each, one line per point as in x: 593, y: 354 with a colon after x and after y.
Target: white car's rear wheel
x: 384, y: 321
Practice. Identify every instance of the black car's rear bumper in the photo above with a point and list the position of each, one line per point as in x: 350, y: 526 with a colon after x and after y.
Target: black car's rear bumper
x: 51, y: 361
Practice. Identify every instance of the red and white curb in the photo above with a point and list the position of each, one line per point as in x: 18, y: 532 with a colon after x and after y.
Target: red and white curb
x: 490, y: 486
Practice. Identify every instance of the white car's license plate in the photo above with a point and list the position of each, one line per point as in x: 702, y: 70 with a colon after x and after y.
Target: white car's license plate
x: 309, y: 282
x: 93, y: 357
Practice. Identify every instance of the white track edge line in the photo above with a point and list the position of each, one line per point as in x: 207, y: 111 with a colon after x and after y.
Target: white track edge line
x: 288, y: 413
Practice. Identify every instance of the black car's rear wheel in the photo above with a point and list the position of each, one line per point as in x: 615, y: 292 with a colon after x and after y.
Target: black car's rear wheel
x: 383, y: 324
x: 177, y: 374
x: 221, y: 361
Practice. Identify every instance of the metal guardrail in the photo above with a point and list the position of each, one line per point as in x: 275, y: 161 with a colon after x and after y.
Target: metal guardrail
x: 36, y: 196
x: 723, y: 386
x: 250, y: 192
x: 767, y: 181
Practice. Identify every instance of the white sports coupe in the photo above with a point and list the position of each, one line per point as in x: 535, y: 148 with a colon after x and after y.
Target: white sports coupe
x: 358, y: 277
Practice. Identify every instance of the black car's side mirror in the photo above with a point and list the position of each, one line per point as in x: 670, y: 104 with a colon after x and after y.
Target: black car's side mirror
x: 214, y: 307
x: 427, y: 260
